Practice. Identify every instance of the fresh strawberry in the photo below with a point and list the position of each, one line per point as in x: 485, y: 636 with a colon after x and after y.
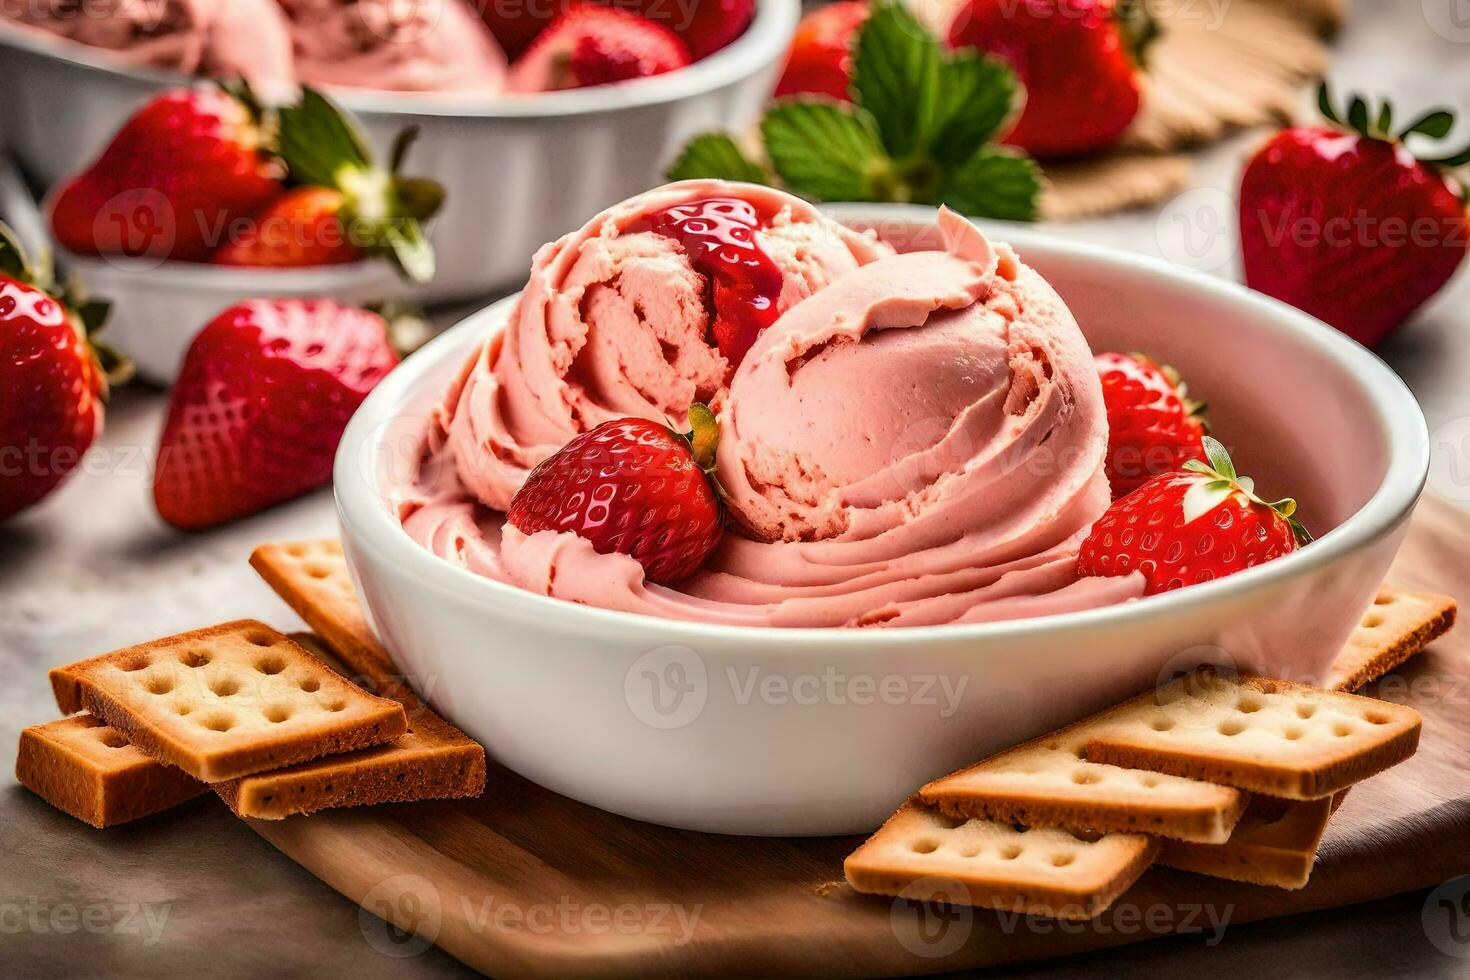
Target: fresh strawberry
x: 1152, y: 427
x: 590, y: 45
x: 1079, y: 61
x: 633, y: 487
x: 345, y: 207
x: 1343, y: 222
x: 302, y: 227
x: 515, y: 23
x: 260, y: 404
x: 820, y: 61
x: 52, y: 381
x: 707, y: 26
x: 171, y: 181
x: 1196, y: 526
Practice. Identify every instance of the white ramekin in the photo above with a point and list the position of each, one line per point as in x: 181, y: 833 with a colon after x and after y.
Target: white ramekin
x: 519, y: 171
x: 797, y: 732
x: 157, y: 308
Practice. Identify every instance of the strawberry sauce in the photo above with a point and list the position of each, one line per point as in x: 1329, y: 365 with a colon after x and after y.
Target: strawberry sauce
x: 718, y: 235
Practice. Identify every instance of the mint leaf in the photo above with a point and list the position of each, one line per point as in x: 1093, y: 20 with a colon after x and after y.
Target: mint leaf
x: 716, y: 156
x: 977, y: 94
x: 994, y: 183
x: 895, y: 76
x: 824, y: 151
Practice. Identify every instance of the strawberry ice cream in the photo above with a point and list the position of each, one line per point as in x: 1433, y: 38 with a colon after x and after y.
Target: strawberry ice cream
x: 397, y: 45
x: 217, y: 38
x: 912, y: 440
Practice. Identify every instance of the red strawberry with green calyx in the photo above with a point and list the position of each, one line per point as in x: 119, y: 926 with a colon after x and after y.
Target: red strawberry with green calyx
x: 1344, y: 222
x: 345, y: 206
x: 53, y: 378
x: 1195, y: 526
x: 633, y: 487
x: 1153, y: 426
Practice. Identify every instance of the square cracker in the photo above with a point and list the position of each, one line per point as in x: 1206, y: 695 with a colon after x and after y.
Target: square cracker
x: 84, y: 767
x: 231, y: 700
x: 1275, y: 843
x: 1394, y: 628
x: 312, y: 577
x: 1047, y: 782
x: 924, y: 855
x: 432, y: 761
x: 1259, y: 734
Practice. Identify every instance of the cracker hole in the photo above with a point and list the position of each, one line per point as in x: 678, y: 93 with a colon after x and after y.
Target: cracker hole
x: 1305, y: 711
x: 277, y: 713
x: 1230, y: 727
x: 1376, y: 718
x: 194, y: 658
x: 319, y: 571
x: 297, y: 551
x: 218, y: 722
x: 91, y: 721
x: 1248, y: 706
x: 270, y: 665
x: 183, y: 710
x: 159, y: 685
x: 260, y: 639
x: 1372, y: 621
x: 1292, y: 733
x: 1383, y: 600
x: 225, y: 687
x: 311, y: 685
x: 1085, y: 778
x: 1148, y: 780
x: 1342, y: 729
x: 945, y: 820
x: 336, y: 705
x: 926, y: 846
x: 132, y: 664
x: 1009, y: 852
x: 970, y: 851
x: 113, y: 740
x: 1062, y: 858
x: 1161, y: 724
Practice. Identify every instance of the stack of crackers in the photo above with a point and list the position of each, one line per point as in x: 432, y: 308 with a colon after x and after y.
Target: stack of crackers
x: 274, y: 725
x: 1224, y: 775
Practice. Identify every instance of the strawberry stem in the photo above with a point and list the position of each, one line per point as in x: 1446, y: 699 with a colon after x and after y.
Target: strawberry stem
x: 1221, y: 471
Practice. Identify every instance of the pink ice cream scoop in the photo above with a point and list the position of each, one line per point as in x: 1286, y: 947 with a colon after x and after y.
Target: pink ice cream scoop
x: 396, y: 45
x: 918, y: 442
x: 616, y: 320
x: 217, y: 38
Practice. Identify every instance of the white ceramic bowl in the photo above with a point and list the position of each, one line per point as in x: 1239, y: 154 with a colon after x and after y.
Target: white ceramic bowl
x: 157, y: 308
x: 797, y: 732
x: 519, y: 171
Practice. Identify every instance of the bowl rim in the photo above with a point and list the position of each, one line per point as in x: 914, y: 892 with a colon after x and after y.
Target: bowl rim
x: 369, y: 523
x: 762, y: 43
x: 204, y: 277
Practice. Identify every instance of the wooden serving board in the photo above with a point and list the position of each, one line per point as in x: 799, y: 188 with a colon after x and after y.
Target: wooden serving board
x: 523, y: 882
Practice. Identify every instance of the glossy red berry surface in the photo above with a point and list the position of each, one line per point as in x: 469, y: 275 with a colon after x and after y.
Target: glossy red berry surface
x: 1152, y: 428
x: 718, y: 235
x: 628, y: 486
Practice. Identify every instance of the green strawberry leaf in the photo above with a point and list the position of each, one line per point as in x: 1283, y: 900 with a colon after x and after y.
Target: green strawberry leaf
x: 824, y: 150
x: 895, y: 76
x: 994, y: 183
x: 716, y: 156
x: 1219, y: 457
x: 1434, y: 124
x: 410, y: 249
x: 418, y: 197
x: 318, y: 143
x: 1358, y: 114
x: 13, y: 261
x: 977, y: 94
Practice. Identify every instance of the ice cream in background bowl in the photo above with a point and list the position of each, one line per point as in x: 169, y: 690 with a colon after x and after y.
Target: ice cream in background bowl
x: 214, y: 38
x: 913, y: 440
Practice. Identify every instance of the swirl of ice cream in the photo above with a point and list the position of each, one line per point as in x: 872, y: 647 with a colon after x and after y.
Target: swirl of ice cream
x: 217, y: 38
x: 919, y: 442
x: 396, y: 45
x: 615, y: 322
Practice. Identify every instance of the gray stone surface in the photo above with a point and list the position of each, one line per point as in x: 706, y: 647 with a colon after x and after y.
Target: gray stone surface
x: 196, y: 892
